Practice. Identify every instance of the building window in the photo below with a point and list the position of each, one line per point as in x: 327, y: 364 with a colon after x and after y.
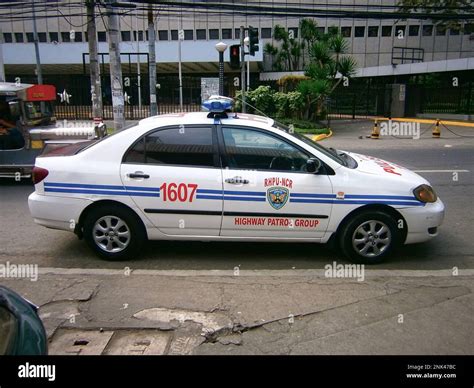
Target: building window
x: 294, y: 31
x: 188, y: 34
x: 126, y: 36
x: 174, y: 34
x: 428, y: 30
x: 237, y: 33
x: 359, y: 32
x: 346, y: 32
x: 386, y: 30
x: 30, y: 37
x: 227, y: 33
x: 65, y: 37
x: 266, y: 33
x: 19, y: 38
x: 213, y: 33
x: 78, y: 36
x: 163, y: 34
x: 321, y: 30
x: 453, y: 31
x: 7, y: 37
x: 373, y: 31
x: 413, y: 30
x: 140, y: 36
x: 440, y: 30
x: 468, y: 29
x: 201, y: 34
x: 102, y: 36
x: 400, y: 31
x: 42, y: 37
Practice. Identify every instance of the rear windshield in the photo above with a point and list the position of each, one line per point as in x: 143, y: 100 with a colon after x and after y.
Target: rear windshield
x: 108, y: 137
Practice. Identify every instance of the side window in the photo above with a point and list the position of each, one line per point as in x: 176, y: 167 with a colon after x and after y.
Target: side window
x: 256, y: 150
x: 184, y: 146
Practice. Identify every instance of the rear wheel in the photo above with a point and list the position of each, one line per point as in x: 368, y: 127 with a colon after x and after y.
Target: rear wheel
x: 369, y: 237
x: 114, y: 232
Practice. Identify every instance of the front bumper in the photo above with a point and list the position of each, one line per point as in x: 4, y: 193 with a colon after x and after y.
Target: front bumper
x: 56, y: 212
x: 423, y: 222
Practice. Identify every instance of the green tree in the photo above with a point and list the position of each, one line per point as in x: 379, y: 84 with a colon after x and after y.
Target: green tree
x: 442, y: 11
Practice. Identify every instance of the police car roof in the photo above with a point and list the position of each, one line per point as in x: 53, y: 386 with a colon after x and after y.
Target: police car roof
x: 201, y: 118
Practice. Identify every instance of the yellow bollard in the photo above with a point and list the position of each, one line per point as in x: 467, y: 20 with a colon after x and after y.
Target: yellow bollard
x: 436, y: 132
x: 375, y: 131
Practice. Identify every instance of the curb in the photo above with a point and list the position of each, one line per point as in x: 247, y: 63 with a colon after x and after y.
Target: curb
x: 322, y: 136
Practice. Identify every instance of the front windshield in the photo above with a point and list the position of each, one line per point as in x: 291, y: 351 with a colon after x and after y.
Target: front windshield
x: 33, y: 109
x: 327, y: 152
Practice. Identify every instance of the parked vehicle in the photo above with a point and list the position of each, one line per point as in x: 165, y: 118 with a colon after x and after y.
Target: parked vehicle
x: 21, y: 331
x: 28, y: 127
x: 229, y: 176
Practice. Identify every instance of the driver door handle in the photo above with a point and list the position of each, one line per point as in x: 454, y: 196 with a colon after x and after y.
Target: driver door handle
x: 236, y: 180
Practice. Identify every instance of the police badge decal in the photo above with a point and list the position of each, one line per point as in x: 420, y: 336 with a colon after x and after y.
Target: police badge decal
x: 278, y: 197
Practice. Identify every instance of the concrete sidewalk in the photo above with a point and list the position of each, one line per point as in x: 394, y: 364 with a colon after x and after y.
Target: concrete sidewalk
x: 253, y: 312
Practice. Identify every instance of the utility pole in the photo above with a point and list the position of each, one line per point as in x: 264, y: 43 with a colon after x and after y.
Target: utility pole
x: 242, y: 68
x: 139, y: 75
x: 180, y: 69
x: 2, y: 66
x: 152, y: 62
x: 39, y: 74
x: 118, y: 102
x: 94, y: 68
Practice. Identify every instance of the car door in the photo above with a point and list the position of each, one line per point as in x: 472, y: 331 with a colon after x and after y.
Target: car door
x: 174, y: 176
x: 267, y: 190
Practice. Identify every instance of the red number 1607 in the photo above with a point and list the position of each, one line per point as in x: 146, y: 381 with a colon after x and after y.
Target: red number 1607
x: 181, y: 192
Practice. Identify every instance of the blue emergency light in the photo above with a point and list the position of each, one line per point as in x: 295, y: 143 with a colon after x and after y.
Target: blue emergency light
x: 218, y: 104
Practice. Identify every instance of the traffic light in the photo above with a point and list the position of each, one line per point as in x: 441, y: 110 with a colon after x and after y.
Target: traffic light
x: 235, y: 56
x: 253, y: 40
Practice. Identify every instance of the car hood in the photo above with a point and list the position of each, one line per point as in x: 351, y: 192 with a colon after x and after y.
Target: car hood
x: 379, y: 167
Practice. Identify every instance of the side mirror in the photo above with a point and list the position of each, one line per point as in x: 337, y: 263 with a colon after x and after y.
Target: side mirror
x: 313, y: 165
x: 21, y: 329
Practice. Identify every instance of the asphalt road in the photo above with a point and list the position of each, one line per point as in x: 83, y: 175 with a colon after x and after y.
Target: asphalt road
x: 22, y: 241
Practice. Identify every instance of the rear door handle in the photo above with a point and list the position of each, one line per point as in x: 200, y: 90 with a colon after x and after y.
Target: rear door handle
x: 237, y: 180
x: 138, y: 174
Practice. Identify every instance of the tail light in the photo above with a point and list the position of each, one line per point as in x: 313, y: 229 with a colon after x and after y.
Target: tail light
x: 39, y: 174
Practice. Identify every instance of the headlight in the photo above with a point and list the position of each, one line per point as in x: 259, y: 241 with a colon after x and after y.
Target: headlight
x: 425, y: 193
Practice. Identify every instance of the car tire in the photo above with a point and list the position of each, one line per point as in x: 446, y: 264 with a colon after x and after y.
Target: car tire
x: 369, y: 237
x: 114, y: 232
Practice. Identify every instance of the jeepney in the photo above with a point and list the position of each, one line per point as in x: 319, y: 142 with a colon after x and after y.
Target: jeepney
x: 28, y: 127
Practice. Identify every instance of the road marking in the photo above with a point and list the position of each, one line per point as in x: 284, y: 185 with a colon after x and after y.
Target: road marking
x: 247, y: 273
x: 440, y: 170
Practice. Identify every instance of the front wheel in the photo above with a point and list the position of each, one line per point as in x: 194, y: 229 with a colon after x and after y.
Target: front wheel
x: 369, y: 237
x: 114, y: 232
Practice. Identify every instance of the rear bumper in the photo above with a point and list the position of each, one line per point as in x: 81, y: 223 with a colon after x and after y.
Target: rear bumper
x: 56, y: 212
x: 423, y: 222
x: 16, y: 171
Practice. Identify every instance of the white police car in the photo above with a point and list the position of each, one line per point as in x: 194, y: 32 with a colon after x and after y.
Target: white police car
x: 229, y: 176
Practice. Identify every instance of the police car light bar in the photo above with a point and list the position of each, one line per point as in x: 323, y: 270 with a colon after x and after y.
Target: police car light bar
x: 218, y: 104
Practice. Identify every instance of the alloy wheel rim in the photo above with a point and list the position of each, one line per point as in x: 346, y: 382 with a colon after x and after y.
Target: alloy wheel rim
x: 111, y: 234
x: 371, y: 238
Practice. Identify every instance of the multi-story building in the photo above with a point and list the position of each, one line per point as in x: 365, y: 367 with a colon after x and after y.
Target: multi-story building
x: 381, y: 47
